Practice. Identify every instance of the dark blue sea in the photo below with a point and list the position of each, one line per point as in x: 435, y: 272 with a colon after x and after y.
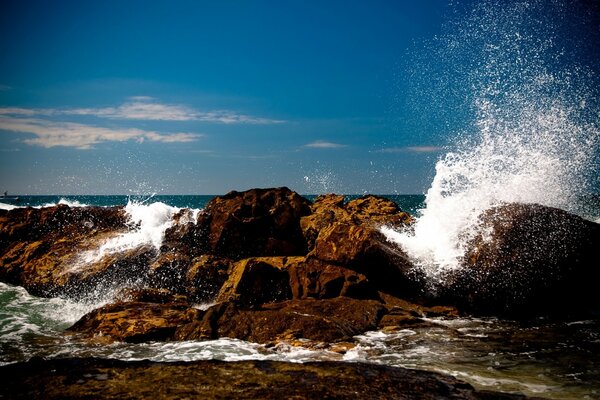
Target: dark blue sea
x: 409, y: 203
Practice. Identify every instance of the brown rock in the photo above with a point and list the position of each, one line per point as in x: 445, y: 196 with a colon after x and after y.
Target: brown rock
x: 377, y: 210
x: 258, y: 222
x: 206, y: 277
x: 328, y: 320
x: 258, y: 280
x: 86, y: 378
x: 315, y: 279
x: 367, y: 210
x: 366, y: 251
x: 136, y: 321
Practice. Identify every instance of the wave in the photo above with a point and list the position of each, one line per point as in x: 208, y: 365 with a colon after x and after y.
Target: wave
x: 147, y: 224
x: 534, y: 136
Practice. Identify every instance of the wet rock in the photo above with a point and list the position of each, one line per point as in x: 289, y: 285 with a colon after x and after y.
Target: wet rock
x: 367, y: 210
x: 257, y: 222
x: 206, y: 276
x: 86, y: 378
x: 136, y: 321
x: 37, y: 245
x: 366, y: 251
x: 258, y: 280
x: 530, y: 260
x: 328, y: 320
x: 313, y: 278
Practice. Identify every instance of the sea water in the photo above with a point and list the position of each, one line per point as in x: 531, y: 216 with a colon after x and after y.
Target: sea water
x: 533, y: 138
x: 553, y: 359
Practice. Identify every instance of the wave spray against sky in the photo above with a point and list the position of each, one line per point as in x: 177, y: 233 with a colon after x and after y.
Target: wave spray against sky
x: 521, y: 68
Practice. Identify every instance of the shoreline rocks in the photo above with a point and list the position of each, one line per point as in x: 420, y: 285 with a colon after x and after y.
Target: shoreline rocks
x: 85, y: 378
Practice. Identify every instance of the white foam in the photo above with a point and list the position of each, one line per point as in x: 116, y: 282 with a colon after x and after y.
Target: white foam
x: 4, y: 206
x: 532, y: 141
x: 147, y: 226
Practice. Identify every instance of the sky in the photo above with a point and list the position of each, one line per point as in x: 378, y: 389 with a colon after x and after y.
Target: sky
x: 204, y: 97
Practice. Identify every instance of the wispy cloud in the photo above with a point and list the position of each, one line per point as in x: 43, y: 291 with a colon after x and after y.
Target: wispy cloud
x: 322, y: 144
x: 146, y: 108
x: 81, y: 136
x: 412, y: 149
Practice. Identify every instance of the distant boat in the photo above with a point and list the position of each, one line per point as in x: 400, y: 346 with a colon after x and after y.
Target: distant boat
x: 7, y: 197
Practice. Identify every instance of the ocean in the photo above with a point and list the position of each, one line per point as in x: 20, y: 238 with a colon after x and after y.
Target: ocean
x: 539, y: 357
x: 534, y: 138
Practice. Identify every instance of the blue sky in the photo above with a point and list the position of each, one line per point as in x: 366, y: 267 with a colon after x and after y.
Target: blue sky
x: 199, y: 97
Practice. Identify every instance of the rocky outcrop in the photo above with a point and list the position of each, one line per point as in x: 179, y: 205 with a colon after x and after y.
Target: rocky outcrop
x: 88, y: 378
x: 529, y: 259
x: 370, y: 211
x: 325, y: 321
x: 153, y: 319
x: 258, y: 222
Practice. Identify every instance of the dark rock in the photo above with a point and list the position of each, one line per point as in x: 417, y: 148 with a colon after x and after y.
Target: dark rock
x: 257, y: 222
x: 88, y: 378
x: 37, y: 245
x: 206, y: 276
x: 528, y: 260
x: 258, y: 280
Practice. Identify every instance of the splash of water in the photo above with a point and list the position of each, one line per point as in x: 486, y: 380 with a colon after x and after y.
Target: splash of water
x: 535, y: 136
x: 147, y: 226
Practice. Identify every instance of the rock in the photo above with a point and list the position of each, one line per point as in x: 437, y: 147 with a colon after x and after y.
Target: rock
x: 258, y: 280
x: 136, y: 321
x: 89, y: 378
x: 327, y: 320
x: 367, y: 210
x: 257, y: 222
x: 313, y: 278
x: 530, y: 260
x: 206, y: 276
x: 149, y: 295
x: 376, y: 210
x: 366, y: 251
x: 325, y: 210
x: 36, y: 245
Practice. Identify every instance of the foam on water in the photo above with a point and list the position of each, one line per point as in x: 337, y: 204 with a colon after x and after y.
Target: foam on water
x: 4, y: 206
x: 147, y: 226
x: 535, y: 135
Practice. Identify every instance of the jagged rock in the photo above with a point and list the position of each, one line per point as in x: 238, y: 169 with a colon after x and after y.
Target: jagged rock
x: 258, y: 280
x: 136, y: 321
x: 367, y: 210
x: 37, y: 245
x: 530, y: 259
x: 366, y: 251
x: 327, y: 320
x: 149, y: 295
x: 257, y: 222
x: 313, y: 278
x: 206, y: 276
x: 88, y: 378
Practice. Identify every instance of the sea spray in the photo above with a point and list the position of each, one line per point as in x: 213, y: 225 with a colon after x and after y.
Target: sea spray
x: 535, y: 135
x: 147, y: 224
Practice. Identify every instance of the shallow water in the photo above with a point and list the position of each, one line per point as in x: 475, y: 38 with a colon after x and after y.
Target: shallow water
x: 554, y: 360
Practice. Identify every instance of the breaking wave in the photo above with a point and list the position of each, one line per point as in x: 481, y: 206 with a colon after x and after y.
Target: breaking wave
x: 534, y: 137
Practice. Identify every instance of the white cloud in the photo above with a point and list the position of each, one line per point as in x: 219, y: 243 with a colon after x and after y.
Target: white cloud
x: 321, y: 144
x: 412, y: 149
x: 147, y: 109
x: 51, y: 134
